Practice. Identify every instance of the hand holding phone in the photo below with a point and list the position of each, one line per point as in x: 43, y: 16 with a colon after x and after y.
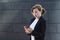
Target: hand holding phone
x: 25, y: 27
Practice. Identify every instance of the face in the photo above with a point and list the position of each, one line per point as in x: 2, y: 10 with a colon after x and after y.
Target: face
x: 36, y: 13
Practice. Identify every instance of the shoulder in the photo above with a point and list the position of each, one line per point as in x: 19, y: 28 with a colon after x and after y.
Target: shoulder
x: 42, y: 20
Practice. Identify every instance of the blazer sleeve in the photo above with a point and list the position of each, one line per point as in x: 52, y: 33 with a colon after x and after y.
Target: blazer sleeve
x: 40, y: 31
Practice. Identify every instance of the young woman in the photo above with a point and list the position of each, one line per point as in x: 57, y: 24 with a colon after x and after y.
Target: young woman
x: 38, y: 25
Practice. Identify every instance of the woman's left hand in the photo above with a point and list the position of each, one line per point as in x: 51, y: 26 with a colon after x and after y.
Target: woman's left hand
x: 28, y: 31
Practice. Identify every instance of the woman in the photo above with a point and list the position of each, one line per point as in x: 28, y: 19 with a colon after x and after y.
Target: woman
x: 38, y: 25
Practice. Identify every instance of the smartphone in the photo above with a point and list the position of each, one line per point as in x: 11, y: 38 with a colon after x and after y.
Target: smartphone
x: 25, y: 27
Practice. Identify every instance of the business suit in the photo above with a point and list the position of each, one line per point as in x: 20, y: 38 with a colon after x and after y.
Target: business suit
x: 39, y: 30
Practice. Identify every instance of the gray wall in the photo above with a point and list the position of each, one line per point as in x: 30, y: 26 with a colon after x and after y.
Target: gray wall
x: 14, y: 14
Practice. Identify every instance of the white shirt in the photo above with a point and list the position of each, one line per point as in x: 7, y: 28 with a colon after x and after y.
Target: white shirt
x: 32, y: 26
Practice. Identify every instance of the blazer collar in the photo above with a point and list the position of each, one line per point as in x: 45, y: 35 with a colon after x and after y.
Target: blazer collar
x: 40, y: 19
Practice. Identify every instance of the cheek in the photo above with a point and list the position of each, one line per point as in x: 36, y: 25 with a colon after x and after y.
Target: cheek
x: 40, y: 14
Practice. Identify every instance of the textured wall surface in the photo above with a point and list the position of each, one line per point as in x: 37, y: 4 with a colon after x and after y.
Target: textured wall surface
x: 15, y: 13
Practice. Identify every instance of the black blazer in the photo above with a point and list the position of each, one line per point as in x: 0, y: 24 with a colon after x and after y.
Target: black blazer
x: 39, y: 30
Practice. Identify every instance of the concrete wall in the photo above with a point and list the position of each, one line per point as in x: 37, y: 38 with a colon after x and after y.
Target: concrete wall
x: 15, y: 13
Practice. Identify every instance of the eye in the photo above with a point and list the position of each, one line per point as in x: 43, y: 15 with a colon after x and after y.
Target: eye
x: 35, y: 11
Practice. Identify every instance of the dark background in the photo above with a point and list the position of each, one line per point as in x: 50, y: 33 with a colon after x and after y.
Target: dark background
x: 15, y: 13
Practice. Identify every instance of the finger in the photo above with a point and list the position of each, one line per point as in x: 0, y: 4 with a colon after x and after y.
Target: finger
x: 27, y: 31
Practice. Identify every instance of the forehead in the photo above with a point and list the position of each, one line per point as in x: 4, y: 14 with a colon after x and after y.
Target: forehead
x: 36, y: 9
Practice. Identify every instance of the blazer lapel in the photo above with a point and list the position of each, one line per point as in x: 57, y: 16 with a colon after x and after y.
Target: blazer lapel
x: 38, y: 23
